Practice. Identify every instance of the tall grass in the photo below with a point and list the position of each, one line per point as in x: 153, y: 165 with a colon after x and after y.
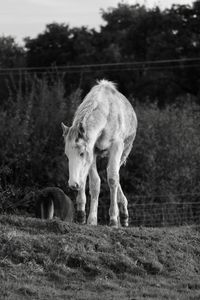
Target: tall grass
x: 31, y: 151
x: 166, y: 154
x: 165, y: 159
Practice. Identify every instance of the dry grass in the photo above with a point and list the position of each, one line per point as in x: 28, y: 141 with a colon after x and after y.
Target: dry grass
x: 55, y: 260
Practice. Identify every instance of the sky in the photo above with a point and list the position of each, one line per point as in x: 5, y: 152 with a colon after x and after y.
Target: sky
x: 27, y: 18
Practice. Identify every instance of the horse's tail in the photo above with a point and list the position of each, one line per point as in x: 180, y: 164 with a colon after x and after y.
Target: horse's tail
x: 52, y: 202
x: 45, y: 209
x: 50, y: 209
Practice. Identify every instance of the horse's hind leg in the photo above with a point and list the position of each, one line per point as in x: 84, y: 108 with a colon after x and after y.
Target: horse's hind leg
x: 80, y: 202
x: 94, y: 182
x: 113, y: 180
x: 123, y: 203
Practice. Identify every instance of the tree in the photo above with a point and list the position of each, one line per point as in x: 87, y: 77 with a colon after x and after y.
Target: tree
x: 11, y: 54
x: 83, y: 44
x: 60, y: 45
x: 53, y: 47
x: 141, y: 34
x: 132, y: 33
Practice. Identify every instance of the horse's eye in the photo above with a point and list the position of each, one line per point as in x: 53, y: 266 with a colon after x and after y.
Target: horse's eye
x: 82, y: 154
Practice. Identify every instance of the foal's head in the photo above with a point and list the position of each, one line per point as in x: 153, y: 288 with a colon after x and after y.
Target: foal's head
x: 79, y: 154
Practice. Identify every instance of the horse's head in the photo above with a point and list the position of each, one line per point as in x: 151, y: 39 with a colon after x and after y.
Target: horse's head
x: 79, y: 154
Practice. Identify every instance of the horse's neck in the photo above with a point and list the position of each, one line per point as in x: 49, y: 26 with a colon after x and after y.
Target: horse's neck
x: 93, y: 134
x: 93, y: 127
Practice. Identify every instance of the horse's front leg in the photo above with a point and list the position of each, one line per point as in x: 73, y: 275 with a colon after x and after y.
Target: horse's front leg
x: 94, y: 183
x: 113, y: 180
x: 80, y: 202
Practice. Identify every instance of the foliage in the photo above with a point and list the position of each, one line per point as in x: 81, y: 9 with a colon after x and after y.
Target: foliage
x: 31, y: 134
x: 165, y: 157
x: 60, y: 45
x: 131, y: 33
x: 11, y: 55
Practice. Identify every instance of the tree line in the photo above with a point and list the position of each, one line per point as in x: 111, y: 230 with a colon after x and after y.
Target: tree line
x: 132, y: 33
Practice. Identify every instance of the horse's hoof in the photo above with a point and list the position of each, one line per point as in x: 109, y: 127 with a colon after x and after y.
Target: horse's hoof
x: 81, y: 217
x: 124, y: 220
x: 92, y: 221
x: 113, y: 223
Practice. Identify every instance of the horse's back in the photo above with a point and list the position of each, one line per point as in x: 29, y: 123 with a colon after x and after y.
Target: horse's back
x: 121, y: 117
x: 108, y: 115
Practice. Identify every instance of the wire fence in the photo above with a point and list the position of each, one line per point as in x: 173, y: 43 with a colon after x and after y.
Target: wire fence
x: 154, y: 65
x: 165, y: 214
x: 159, y: 214
x: 147, y: 211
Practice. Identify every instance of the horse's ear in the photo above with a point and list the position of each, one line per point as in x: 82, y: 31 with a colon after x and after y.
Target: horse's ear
x: 81, y: 131
x: 65, y: 129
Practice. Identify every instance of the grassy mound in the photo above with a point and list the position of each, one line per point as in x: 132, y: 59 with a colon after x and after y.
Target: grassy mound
x: 56, y: 260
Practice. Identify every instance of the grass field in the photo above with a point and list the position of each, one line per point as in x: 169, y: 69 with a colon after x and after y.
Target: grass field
x: 55, y: 260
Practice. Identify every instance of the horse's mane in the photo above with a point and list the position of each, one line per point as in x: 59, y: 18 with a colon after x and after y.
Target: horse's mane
x: 107, y: 84
x: 91, y: 101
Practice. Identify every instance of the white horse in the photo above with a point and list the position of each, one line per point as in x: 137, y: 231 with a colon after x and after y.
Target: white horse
x: 104, y: 124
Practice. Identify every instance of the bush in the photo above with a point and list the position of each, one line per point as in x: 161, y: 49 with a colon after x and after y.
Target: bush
x: 164, y: 161
x: 166, y: 154
x: 31, y: 135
